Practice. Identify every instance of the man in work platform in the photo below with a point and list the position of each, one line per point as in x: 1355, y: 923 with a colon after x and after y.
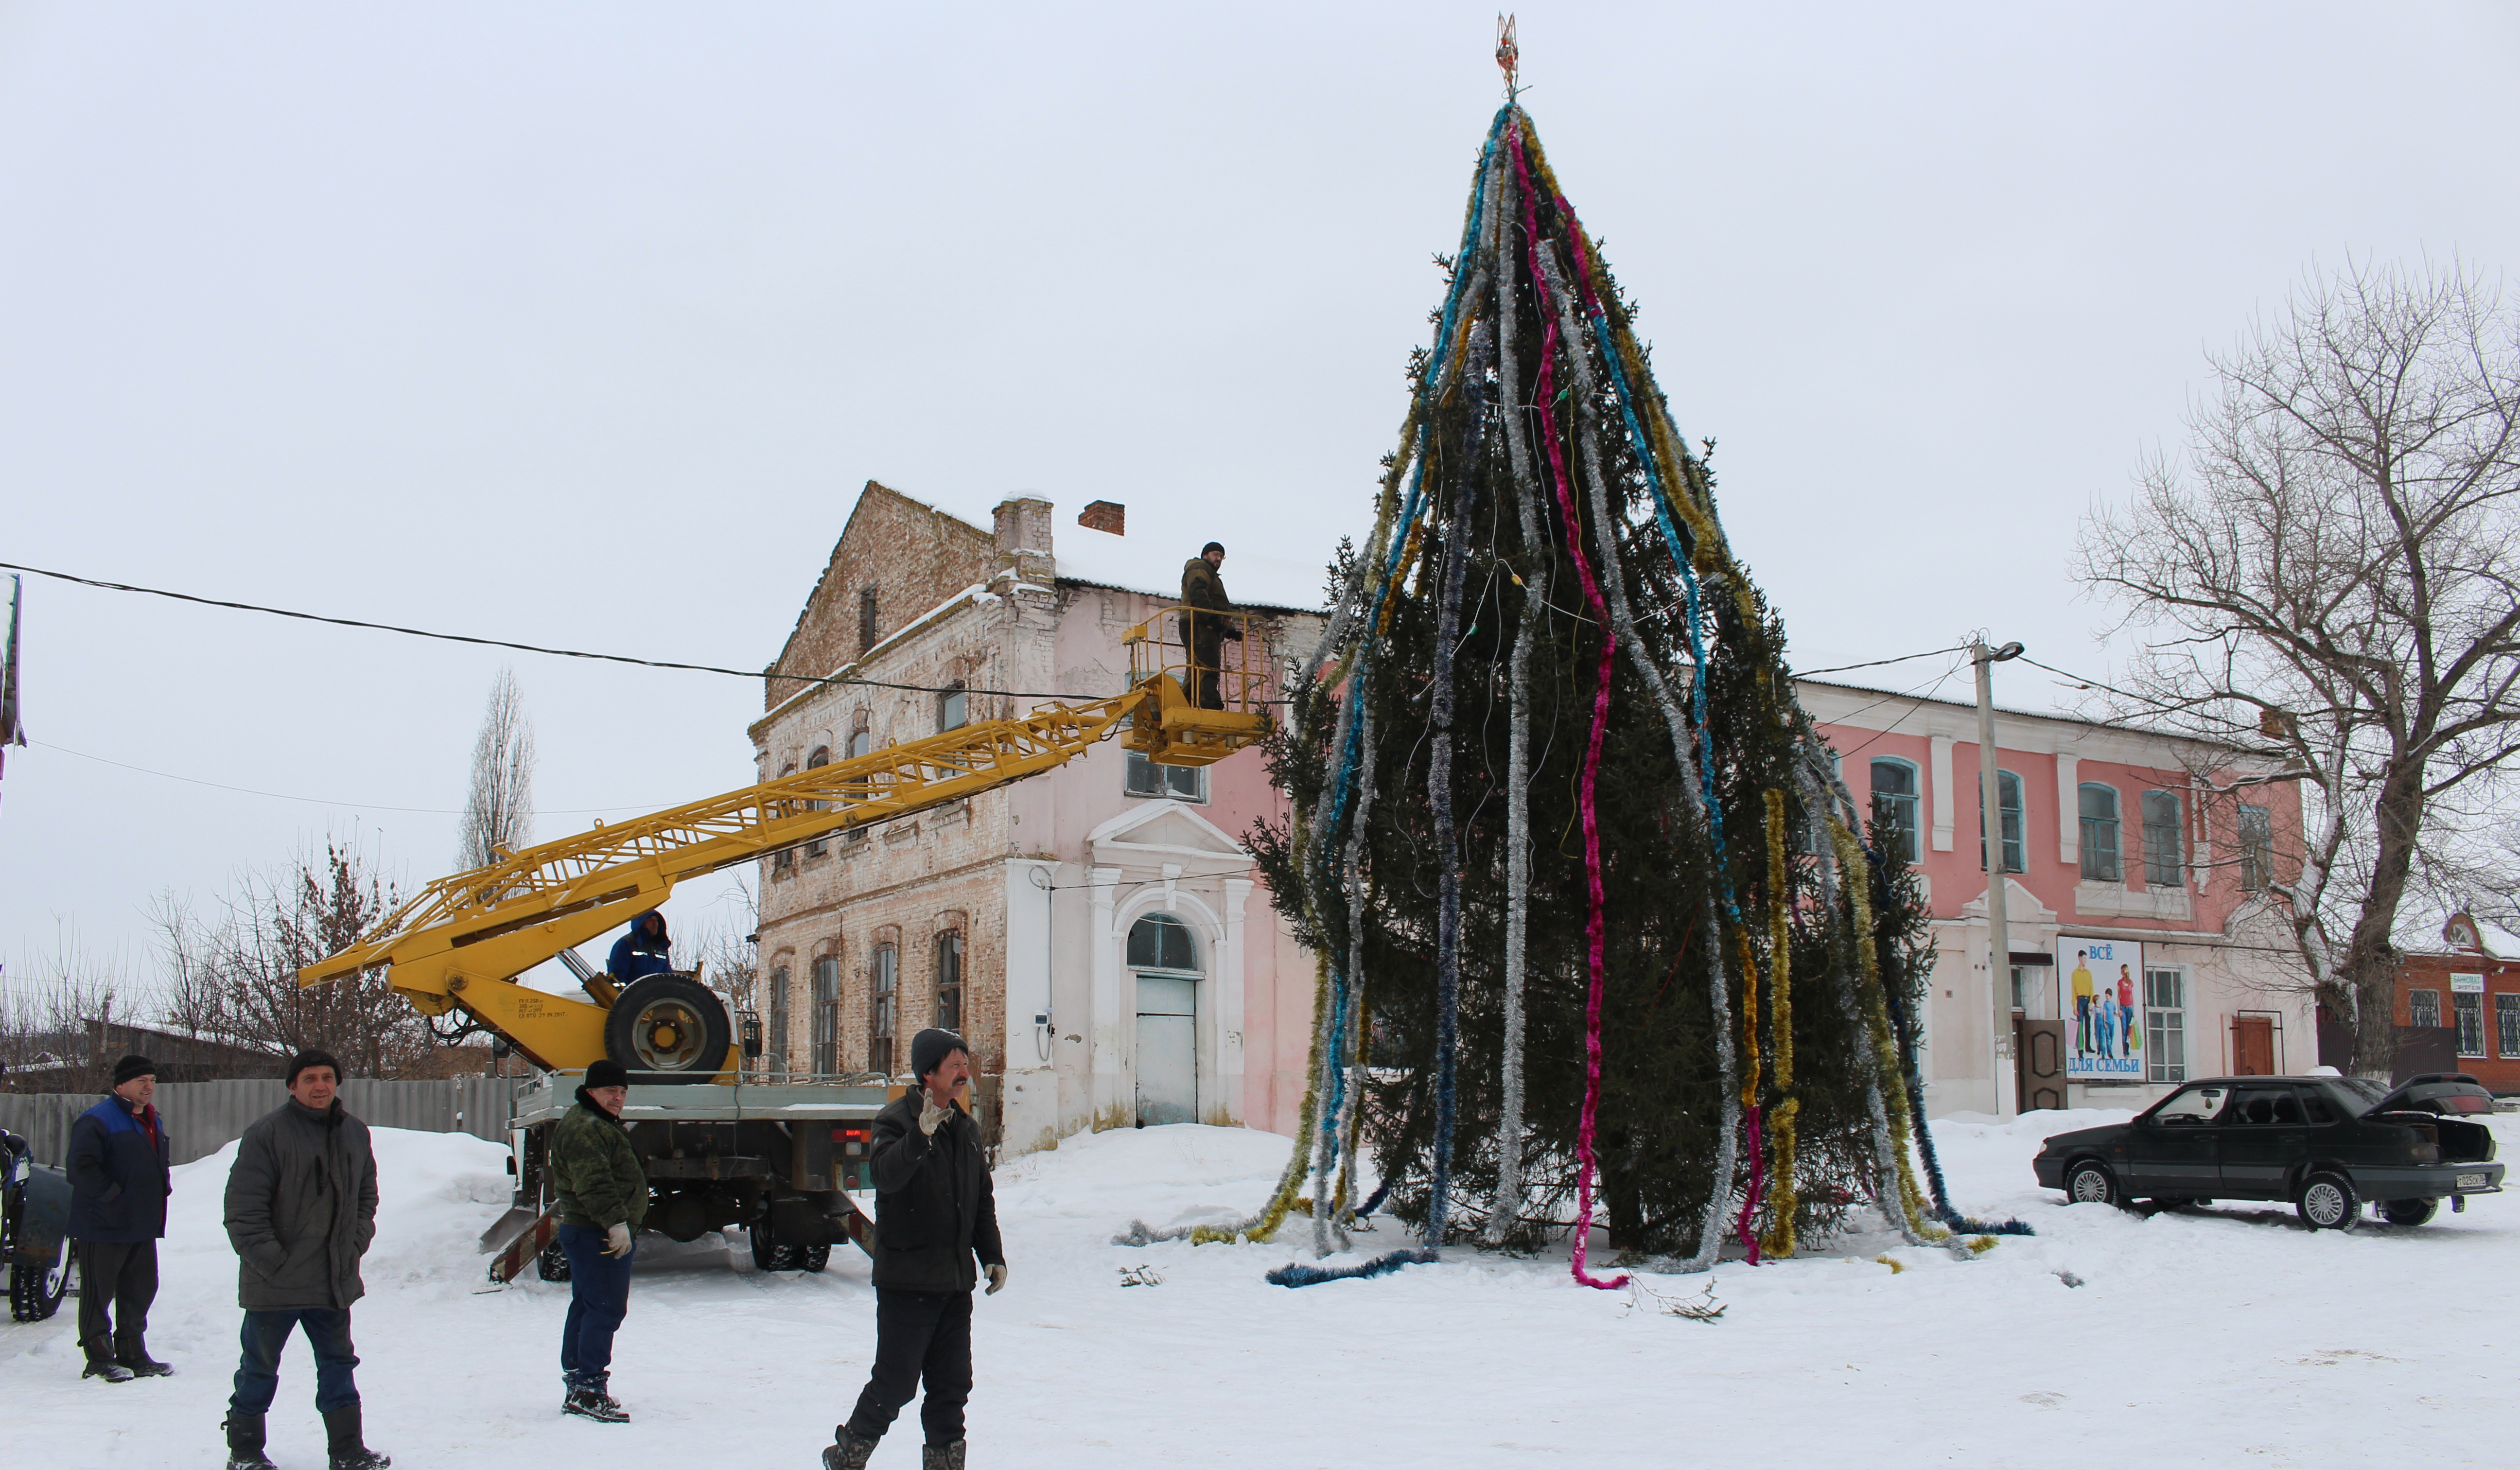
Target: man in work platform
x: 1204, y: 587
x: 301, y: 1209
x: 603, y: 1190
x: 933, y: 1211
x: 647, y: 950
x: 119, y: 1181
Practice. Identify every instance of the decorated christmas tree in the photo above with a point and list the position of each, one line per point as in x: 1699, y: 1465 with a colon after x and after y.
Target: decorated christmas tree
x: 1599, y: 934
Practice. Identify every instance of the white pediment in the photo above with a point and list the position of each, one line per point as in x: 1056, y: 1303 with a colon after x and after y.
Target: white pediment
x: 1161, y: 831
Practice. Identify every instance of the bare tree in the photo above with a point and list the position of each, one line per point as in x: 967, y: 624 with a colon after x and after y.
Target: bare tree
x: 237, y: 977
x: 499, y: 808
x: 45, y: 1016
x: 2328, y: 581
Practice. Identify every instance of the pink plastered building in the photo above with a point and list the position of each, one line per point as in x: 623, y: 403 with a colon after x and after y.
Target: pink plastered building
x: 2114, y: 848
x: 1098, y: 932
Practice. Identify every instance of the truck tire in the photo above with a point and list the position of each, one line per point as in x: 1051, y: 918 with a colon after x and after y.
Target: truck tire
x: 668, y: 1028
x: 813, y: 1258
x: 769, y: 1252
x: 36, y: 1286
x: 552, y: 1263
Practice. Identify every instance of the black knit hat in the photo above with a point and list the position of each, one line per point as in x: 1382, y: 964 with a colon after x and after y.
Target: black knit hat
x: 134, y: 1065
x: 604, y: 1072
x: 930, y: 1048
x: 312, y: 1057
x: 1217, y: 547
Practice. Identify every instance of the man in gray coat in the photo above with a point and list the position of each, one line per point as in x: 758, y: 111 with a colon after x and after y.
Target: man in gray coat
x: 302, y: 1207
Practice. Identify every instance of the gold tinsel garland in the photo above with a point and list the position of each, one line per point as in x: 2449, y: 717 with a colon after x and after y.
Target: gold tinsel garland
x: 1782, y: 1198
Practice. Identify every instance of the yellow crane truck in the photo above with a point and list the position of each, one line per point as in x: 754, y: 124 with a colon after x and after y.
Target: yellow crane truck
x: 774, y: 1157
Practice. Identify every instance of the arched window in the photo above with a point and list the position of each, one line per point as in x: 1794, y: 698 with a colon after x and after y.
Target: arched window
x: 883, y: 993
x: 949, y: 980
x: 2007, y: 792
x: 2165, y: 843
x: 1162, y: 942
x: 1894, y: 804
x: 785, y: 857
x: 826, y: 1015
x: 777, y: 1059
x: 821, y: 757
x: 2098, y: 805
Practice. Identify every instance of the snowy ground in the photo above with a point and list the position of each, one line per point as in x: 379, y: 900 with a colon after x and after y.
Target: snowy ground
x: 2227, y: 1337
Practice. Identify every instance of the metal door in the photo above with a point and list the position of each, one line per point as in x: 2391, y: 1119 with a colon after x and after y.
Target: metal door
x: 2262, y: 1132
x: 1167, y: 1049
x: 2178, y: 1159
x: 2039, y: 1063
x: 2253, y: 1047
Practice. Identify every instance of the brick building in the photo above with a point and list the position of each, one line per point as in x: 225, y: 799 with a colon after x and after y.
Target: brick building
x: 1094, y: 930
x: 2458, y: 1008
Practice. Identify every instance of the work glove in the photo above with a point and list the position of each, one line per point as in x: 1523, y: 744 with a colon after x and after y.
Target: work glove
x: 617, y: 1240
x: 930, y: 1116
x: 996, y: 1279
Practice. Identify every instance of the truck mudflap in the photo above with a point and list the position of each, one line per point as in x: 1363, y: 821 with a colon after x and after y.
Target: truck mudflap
x: 517, y: 1239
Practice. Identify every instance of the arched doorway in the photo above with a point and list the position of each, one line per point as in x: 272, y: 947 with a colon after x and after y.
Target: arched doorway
x: 1165, y: 959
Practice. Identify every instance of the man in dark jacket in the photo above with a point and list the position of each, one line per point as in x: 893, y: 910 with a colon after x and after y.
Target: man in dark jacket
x: 933, y: 1211
x: 302, y: 1207
x: 119, y: 1181
x: 603, y: 1190
x: 1203, y: 586
x: 644, y: 951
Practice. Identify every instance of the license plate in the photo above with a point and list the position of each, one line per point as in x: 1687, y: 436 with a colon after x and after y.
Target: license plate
x: 2472, y: 1181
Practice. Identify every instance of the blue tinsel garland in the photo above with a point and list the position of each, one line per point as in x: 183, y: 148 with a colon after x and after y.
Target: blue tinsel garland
x: 1295, y: 1273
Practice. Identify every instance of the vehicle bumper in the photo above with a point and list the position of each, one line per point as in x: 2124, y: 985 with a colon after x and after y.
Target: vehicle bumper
x: 2428, y: 1180
x: 2051, y: 1171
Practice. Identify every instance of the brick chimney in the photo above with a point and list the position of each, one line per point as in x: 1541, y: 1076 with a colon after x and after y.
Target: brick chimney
x: 1104, y: 515
x: 1023, y: 540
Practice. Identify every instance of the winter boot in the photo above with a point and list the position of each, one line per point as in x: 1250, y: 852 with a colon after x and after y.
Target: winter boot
x: 100, y: 1364
x: 594, y: 1403
x: 244, y: 1443
x: 941, y: 1456
x: 136, y: 1358
x: 849, y: 1452
x: 347, y: 1449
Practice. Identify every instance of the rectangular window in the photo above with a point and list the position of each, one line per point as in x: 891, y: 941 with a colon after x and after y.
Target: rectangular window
x: 2098, y: 808
x: 2165, y: 843
x: 953, y: 709
x: 2469, y: 1011
x: 866, y: 618
x: 2257, y: 848
x: 1893, y: 806
x: 882, y: 994
x: 2507, y: 1025
x: 2423, y: 1008
x: 1179, y: 782
x: 2007, y: 792
x: 949, y: 980
x: 826, y: 1015
x: 778, y: 1022
x: 2165, y: 1025
x: 821, y: 757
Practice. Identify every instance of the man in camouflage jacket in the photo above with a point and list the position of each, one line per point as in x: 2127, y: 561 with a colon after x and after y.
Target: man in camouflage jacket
x: 602, y: 1189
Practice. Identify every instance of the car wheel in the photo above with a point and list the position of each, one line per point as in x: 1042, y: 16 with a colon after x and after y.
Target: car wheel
x: 2410, y: 1212
x: 2327, y: 1202
x: 2171, y: 1202
x: 2089, y: 1182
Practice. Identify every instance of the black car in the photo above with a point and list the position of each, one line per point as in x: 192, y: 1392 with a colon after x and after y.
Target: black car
x: 2325, y: 1143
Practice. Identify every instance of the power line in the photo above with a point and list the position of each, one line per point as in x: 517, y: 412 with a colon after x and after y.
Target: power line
x: 501, y: 643
x: 1875, y: 663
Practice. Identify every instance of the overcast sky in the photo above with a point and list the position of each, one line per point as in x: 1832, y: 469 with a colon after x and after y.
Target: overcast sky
x: 583, y: 324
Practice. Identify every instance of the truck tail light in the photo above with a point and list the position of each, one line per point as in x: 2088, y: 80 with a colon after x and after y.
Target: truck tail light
x: 852, y: 1141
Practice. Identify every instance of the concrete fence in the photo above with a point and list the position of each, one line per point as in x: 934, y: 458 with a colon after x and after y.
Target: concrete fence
x: 203, y: 1117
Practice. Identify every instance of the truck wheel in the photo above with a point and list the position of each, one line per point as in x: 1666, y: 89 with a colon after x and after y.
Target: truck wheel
x: 813, y: 1258
x: 552, y: 1263
x: 668, y: 1028
x: 2410, y: 1212
x: 2089, y: 1182
x: 36, y: 1287
x: 2327, y: 1202
x: 769, y: 1252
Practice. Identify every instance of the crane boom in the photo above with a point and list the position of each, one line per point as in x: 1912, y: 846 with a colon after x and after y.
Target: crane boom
x: 460, y: 943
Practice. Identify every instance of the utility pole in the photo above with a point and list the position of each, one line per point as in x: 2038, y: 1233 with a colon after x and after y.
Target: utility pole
x: 1999, y: 934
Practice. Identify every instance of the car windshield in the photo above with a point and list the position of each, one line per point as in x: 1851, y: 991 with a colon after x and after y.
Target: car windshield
x: 2371, y: 1091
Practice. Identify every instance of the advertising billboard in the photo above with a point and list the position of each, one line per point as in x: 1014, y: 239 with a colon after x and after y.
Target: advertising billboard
x: 2099, y: 994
